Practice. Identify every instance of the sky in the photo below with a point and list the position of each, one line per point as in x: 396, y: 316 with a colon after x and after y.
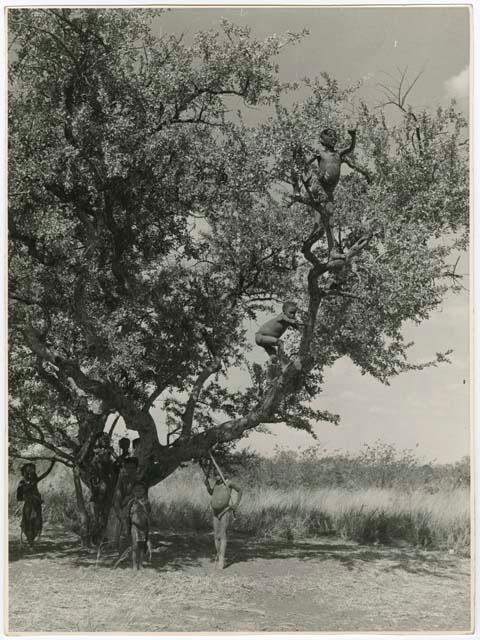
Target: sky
x: 426, y: 411
x: 356, y: 43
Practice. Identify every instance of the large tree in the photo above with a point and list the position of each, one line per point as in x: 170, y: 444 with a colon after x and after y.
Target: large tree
x: 148, y: 223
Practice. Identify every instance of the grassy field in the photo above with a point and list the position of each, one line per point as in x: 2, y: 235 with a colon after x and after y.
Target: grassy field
x: 300, y: 558
x: 386, y: 516
x: 322, y: 584
x: 370, y: 515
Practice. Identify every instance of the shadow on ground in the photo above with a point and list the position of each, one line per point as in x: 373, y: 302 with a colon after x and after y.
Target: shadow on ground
x: 51, y: 544
x: 181, y: 551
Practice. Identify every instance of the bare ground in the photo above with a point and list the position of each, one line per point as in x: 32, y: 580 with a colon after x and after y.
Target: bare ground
x: 324, y: 584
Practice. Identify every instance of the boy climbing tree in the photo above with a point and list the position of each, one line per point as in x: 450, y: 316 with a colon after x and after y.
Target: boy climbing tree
x: 128, y: 324
x: 269, y: 334
x: 325, y: 179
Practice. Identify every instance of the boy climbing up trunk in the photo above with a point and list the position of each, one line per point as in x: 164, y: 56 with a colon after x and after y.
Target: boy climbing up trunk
x: 222, y: 507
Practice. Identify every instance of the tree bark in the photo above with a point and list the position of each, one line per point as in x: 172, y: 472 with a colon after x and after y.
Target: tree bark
x: 82, y: 511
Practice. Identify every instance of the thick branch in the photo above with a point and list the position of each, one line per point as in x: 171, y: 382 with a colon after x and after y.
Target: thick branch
x: 27, y: 425
x: 112, y: 428
x: 86, y: 447
x: 160, y: 387
x: 36, y: 458
x: 364, y: 172
x: 188, y: 414
x: 359, y: 246
x: 111, y: 397
x: 265, y: 410
x: 53, y: 381
x: 233, y: 429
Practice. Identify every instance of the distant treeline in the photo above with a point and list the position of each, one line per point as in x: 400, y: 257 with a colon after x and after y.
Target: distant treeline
x: 378, y: 465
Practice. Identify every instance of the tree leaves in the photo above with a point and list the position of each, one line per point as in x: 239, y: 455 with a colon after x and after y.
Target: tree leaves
x: 148, y: 224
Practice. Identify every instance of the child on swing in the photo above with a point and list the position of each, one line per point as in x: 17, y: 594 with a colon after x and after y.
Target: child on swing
x: 222, y: 507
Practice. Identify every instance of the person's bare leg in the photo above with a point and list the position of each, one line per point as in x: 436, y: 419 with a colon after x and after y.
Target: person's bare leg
x: 281, y: 353
x: 269, y: 343
x: 223, y: 539
x: 118, y: 533
x: 216, y: 537
x: 271, y: 346
x: 134, y: 556
x: 140, y: 556
x: 325, y: 213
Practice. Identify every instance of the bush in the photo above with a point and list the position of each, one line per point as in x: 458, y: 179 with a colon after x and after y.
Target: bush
x: 379, y: 465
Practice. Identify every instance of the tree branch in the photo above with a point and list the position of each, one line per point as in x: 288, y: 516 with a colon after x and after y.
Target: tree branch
x: 358, y: 246
x: 188, y: 414
x: 43, y: 458
x: 107, y: 392
x: 26, y: 425
x: 364, y: 172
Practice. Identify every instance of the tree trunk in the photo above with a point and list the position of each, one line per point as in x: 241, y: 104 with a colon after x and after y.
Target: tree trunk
x: 82, y: 511
x: 102, y: 490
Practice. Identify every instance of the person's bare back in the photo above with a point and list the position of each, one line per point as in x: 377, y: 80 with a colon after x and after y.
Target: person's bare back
x: 269, y: 334
x: 275, y: 327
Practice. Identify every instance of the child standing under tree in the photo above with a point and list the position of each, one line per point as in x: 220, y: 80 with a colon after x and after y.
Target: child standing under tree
x: 127, y: 479
x: 28, y: 493
x: 222, y: 507
x: 139, y: 512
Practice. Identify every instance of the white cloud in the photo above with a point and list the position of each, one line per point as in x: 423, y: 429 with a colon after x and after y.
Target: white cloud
x: 457, y: 86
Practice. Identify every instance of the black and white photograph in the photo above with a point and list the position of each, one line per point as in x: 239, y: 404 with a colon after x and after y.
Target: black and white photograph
x: 239, y: 319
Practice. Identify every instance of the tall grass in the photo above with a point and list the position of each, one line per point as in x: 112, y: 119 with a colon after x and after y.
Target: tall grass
x: 439, y: 520
x: 389, y: 498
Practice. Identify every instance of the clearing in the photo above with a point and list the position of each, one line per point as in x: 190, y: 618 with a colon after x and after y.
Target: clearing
x: 323, y: 584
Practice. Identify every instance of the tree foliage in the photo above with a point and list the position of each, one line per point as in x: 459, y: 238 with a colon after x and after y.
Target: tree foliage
x: 148, y: 222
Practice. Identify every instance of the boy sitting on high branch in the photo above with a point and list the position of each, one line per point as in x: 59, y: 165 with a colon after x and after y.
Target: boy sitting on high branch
x: 269, y: 334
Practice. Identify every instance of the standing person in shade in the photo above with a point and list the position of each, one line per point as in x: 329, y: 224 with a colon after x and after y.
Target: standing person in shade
x: 124, y: 446
x: 222, y: 507
x: 135, y: 444
x: 28, y: 493
x: 127, y: 479
x: 139, y: 515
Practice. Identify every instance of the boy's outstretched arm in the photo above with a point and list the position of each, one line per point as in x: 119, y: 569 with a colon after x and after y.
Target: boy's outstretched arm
x: 206, y: 482
x: 351, y: 148
x: 316, y: 156
x: 44, y: 475
x: 20, y: 487
x: 295, y: 324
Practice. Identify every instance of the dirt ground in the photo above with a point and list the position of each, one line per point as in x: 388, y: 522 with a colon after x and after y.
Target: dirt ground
x: 325, y: 584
